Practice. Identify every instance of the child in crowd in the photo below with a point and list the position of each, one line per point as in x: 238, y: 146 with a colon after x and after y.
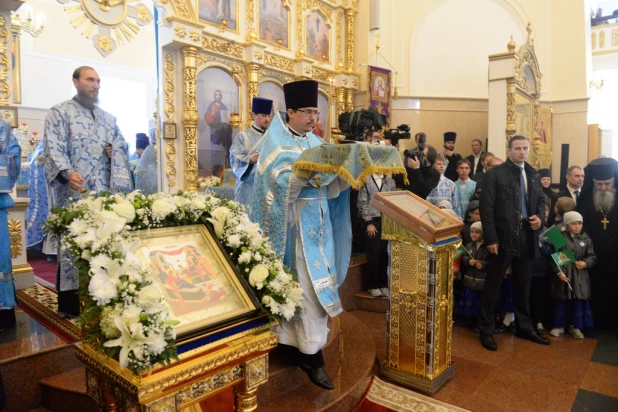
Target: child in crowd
x: 540, y: 303
x: 472, y: 215
x: 562, y: 206
x: 375, y: 248
x: 474, y: 271
x: 464, y: 186
x: 571, y: 287
x: 445, y: 189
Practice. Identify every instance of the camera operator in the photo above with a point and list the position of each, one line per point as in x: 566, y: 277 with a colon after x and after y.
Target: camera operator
x: 422, y: 176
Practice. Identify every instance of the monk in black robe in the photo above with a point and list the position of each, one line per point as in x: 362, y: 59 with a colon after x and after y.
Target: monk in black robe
x: 597, y: 205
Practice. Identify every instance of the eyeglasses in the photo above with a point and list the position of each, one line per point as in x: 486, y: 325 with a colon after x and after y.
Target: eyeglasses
x: 309, y: 112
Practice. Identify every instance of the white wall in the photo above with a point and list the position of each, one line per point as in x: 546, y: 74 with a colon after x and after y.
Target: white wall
x: 48, y: 61
x: 450, y: 46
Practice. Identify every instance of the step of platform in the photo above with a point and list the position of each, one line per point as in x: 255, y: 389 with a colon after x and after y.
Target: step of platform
x: 364, y: 301
x: 21, y: 375
x: 351, y: 372
x: 283, y: 378
x: 354, y: 282
x: 66, y: 392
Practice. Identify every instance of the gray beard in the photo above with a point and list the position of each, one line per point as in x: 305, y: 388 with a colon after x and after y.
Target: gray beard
x: 604, y: 201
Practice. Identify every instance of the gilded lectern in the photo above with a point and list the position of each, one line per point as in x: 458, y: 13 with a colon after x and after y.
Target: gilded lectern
x: 423, y: 242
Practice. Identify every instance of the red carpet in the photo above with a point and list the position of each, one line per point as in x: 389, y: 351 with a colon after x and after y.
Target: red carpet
x: 383, y: 396
x: 43, y: 269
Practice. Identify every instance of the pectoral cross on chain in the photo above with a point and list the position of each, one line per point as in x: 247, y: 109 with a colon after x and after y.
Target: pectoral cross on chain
x: 605, y: 222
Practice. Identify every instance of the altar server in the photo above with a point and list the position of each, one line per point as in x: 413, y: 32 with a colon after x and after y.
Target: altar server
x: 246, y: 149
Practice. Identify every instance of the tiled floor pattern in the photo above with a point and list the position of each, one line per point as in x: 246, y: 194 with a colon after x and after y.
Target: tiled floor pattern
x: 571, y: 374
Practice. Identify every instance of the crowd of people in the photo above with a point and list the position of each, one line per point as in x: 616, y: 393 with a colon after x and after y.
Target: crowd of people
x: 509, y: 281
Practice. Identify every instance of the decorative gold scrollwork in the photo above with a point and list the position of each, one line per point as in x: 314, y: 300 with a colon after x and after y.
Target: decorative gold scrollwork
x: 15, y: 236
x: 5, y: 63
x: 408, y: 301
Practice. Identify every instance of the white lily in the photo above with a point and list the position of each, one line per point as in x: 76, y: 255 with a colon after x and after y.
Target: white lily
x: 130, y: 343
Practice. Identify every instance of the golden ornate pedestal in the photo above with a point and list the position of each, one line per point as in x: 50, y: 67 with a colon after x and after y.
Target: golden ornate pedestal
x: 423, y: 243
x: 240, y: 361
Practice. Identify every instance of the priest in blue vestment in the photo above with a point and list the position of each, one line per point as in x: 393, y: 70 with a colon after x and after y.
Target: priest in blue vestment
x: 10, y: 162
x: 246, y: 149
x: 84, y: 151
x: 145, y: 174
x: 307, y: 220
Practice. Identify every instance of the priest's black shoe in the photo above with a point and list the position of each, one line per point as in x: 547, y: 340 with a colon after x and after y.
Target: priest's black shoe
x: 488, y: 342
x: 532, y: 337
x: 318, y: 376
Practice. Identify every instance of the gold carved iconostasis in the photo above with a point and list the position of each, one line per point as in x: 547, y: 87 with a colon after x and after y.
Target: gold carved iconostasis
x: 525, y: 114
x: 219, y: 54
x: 214, y: 56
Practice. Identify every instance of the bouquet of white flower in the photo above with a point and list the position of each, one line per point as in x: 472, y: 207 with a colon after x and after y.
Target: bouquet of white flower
x: 208, y: 181
x: 125, y: 312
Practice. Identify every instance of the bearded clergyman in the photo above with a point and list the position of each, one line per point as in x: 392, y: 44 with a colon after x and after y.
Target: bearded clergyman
x: 84, y: 151
x: 597, y: 205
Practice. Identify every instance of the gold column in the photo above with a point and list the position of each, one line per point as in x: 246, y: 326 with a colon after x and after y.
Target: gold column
x: 190, y: 118
x: 536, y: 141
x: 170, y: 113
x: 341, y: 102
x: 5, y: 63
x: 245, y: 401
x: 252, y: 87
x: 349, y: 40
x: 510, y: 110
x: 349, y: 100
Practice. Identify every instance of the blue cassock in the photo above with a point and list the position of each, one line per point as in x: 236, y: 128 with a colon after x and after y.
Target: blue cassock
x: 38, y: 210
x: 146, y: 171
x: 75, y: 139
x: 10, y: 162
x: 244, y: 145
x: 322, y: 225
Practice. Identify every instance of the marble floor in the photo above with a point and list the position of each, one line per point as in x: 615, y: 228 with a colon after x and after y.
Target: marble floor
x: 570, y: 375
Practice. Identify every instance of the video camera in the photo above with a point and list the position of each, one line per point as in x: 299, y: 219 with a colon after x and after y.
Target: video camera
x: 354, y: 125
x: 394, y: 135
x: 418, y: 152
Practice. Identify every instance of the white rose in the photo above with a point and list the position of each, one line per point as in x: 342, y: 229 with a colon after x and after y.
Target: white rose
x: 125, y: 209
x: 181, y: 201
x: 198, y: 204
x: 257, y: 276
x: 148, y: 296
x: 161, y: 208
x: 221, y: 213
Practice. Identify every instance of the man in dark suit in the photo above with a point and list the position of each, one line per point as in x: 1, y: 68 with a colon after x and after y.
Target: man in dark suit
x: 475, y: 157
x: 512, y: 211
x: 575, y: 180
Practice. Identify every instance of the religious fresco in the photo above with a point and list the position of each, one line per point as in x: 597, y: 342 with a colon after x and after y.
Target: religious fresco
x: 274, y: 92
x: 317, y: 37
x: 217, y: 99
x: 321, y: 126
x: 213, y: 11
x: 274, y: 22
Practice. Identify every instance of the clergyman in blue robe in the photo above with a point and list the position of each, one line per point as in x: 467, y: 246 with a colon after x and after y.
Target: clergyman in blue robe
x: 246, y: 149
x: 10, y: 162
x: 145, y: 174
x: 308, y: 223
x: 84, y: 151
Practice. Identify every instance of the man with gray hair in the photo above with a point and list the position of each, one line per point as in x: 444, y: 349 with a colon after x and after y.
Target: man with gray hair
x: 597, y: 204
